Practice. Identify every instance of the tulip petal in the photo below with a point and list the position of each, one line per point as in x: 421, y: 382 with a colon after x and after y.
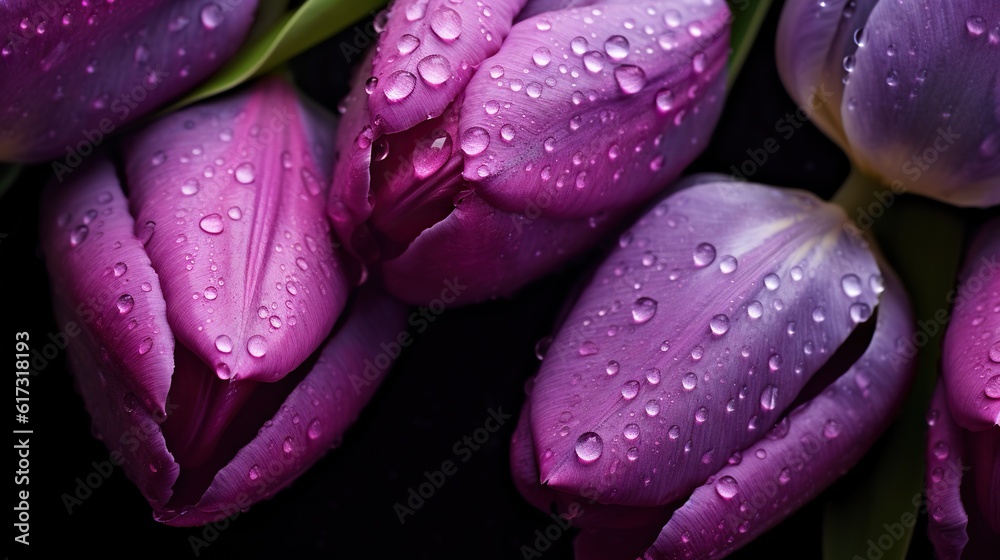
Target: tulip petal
x: 917, y: 117
x: 652, y: 74
x: 714, y: 312
x: 479, y: 252
x: 813, y: 446
x: 971, y: 354
x: 427, y: 53
x: 106, y: 291
x: 815, y: 43
x: 312, y: 419
x: 947, y: 520
x: 85, y: 69
x: 984, y: 457
x: 229, y: 198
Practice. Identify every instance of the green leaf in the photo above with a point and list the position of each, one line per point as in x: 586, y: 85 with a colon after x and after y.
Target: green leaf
x: 747, y: 17
x: 8, y: 174
x: 922, y: 239
x: 289, y: 35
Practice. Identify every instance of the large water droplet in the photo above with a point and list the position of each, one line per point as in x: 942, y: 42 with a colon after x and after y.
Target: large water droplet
x: 976, y: 25
x: 992, y: 389
x: 631, y: 431
x: 212, y: 223
x: 772, y: 281
x: 211, y: 15
x: 145, y: 345
x: 245, y: 173
x: 399, y: 85
x: 616, y: 47
x: 78, y: 235
x: 860, y: 312
x: 314, y: 430
x: 704, y: 255
x: 831, y: 429
x: 125, y: 304
x: 446, y: 24
x: 257, y: 346
x: 407, y: 44
x: 755, y: 309
x: 719, y: 324
x: 434, y: 69
x: 589, y: 447
x: 643, y: 309
x: 431, y: 153
x: 475, y: 141
x: 690, y: 381
x: 769, y: 397
x: 851, y: 285
x: 594, y: 61
x: 727, y: 487
x: 541, y: 57
x: 630, y: 389
x: 120, y: 269
x: 631, y: 79
x: 224, y: 344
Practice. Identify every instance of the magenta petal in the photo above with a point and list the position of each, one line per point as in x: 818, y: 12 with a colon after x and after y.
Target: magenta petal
x: 814, y: 44
x: 229, y: 200
x: 106, y: 292
x: 947, y: 519
x: 920, y: 118
x: 813, y: 446
x: 971, y: 355
x: 595, y: 108
x: 313, y: 418
x: 479, y: 252
x: 86, y: 69
x: 694, y: 336
x: 427, y: 53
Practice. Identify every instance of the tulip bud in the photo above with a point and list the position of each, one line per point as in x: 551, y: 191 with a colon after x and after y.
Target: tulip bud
x: 493, y: 143
x: 208, y: 294
x: 910, y: 92
x: 963, y: 455
x: 737, y: 352
x: 84, y: 70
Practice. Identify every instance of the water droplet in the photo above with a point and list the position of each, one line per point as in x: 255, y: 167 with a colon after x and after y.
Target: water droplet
x: 446, y: 24
x: 314, y: 429
x: 507, y: 132
x: 120, y: 269
x: 643, y: 309
x: 145, y: 345
x: 224, y: 344
x: 399, y: 85
x: 613, y: 367
x: 245, y: 173
x: 652, y: 408
x: 719, y: 324
x: 690, y: 381
x: 755, y: 309
x: 587, y: 348
x: 769, y: 397
x: 541, y: 57
x: 819, y: 314
x: 992, y: 389
x: 726, y: 487
x: 211, y: 15
x: 674, y: 432
x: 578, y: 45
x: 772, y: 282
x: 631, y: 431
x: 434, y: 69
x: 593, y: 61
x: 831, y: 429
x: 631, y: 79
x: 860, y: 312
x: 475, y: 141
x: 212, y: 223
x: 632, y: 454
x: 616, y: 47
x: 784, y: 477
x: 431, y: 153
x: 630, y: 389
x: 125, y: 304
x: 257, y: 346
x: 701, y: 415
x: 976, y: 25
x: 704, y: 255
x: 407, y: 44
x: 589, y: 447
x: 664, y: 100
x: 892, y: 78
x: 78, y: 235
x: 728, y: 264
x: 653, y: 375
x: 774, y: 362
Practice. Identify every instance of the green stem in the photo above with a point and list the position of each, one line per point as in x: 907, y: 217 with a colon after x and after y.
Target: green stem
x: 922, y: 239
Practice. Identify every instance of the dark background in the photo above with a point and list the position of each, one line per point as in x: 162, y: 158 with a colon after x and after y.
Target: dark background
x: 469, y: 361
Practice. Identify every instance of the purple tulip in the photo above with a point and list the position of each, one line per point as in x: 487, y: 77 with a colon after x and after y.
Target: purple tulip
x: 733, y: 356
x: 204, y: 299
x: 492, y: 143
x: 909, y: 90
x: 75, y: 72
x: 965, y: 415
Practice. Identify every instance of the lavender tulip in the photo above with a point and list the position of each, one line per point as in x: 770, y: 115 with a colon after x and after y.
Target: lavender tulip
x: 85, y: 69
x: 963, y: 484
x: 909, y: 90
x: 207, y: 295
x: 729, y: 360
x: 492, y: 143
